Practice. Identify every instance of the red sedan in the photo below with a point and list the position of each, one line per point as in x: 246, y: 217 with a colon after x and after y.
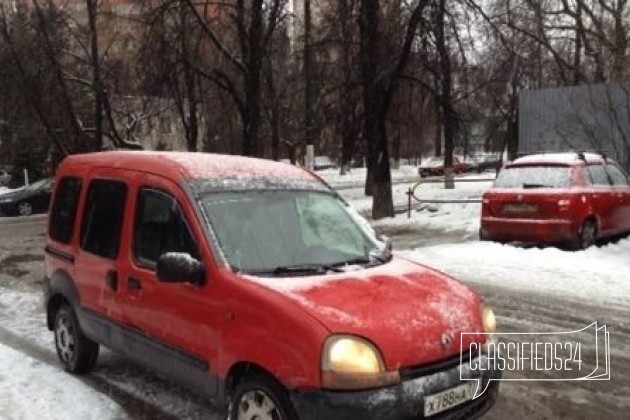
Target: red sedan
x: 564, y: 198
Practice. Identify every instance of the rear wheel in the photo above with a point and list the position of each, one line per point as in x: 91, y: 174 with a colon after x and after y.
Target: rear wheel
x: 260, y: 397
x: 587, y: 236
x: 77, y: 352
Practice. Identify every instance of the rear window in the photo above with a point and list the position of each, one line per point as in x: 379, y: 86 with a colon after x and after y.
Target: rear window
x: 537, y: 176
x: 64, y: 209
x: 103, y: 217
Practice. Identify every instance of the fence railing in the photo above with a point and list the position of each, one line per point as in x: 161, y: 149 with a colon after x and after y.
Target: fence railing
x: 412, y: 195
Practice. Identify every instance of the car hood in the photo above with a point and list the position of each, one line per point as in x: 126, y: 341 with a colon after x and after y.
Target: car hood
x: 412, y: 313
x: 13, y: 195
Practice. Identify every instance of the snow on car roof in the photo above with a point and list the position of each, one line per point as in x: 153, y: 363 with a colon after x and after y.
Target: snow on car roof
x: 559, y: 158
x: 187, y: 166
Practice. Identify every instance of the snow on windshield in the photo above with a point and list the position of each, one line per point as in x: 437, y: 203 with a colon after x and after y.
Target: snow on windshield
x: 534, y: 177
x: 259, y: 231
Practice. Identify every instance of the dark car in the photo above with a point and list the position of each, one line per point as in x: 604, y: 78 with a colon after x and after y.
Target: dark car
x: 28, y: 200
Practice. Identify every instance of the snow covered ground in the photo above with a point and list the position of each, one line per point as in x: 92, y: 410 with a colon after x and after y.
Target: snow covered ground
x: 596, y: 275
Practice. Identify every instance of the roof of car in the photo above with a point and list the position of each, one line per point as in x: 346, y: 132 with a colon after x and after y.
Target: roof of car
x: 180, y: 166
x: 559, y: 158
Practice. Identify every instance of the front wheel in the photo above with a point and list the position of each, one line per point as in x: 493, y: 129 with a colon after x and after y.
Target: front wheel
x: 77, y: 352
x: 259, y: 397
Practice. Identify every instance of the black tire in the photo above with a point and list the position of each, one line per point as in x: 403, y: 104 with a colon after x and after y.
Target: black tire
x: 587, y: 236
x: 76, y: 352
x: 256, y: 387
x: 24, y: 208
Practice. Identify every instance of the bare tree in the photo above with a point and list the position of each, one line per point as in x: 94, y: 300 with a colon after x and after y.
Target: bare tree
x: 379, y: 86
x: 241, y: 44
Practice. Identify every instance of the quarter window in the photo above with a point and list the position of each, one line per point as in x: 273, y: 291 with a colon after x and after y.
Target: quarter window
x: 160, y: 228
x: 103, y: 217
x: 598, y: 175
x: 617, y: 177
x: 64, y: 209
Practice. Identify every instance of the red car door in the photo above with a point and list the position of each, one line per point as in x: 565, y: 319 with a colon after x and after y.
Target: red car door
x: 170, y: 313
x: 622, y: 195
x: 602, y: 198
x: 97, y: 272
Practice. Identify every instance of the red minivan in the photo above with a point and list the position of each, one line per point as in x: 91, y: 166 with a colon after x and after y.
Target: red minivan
x: 256, y: 285
x: 562, y: 198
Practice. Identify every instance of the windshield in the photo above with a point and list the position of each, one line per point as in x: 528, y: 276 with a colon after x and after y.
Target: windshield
x: 534, y: 177
x: 261, y: 231
x: 37, y: 185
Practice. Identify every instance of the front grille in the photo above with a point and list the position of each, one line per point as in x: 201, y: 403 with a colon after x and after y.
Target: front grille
x: 434, y: 367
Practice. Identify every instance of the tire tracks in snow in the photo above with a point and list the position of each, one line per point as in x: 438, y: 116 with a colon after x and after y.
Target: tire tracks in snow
x: 525, y: 312
x: 135, y: 408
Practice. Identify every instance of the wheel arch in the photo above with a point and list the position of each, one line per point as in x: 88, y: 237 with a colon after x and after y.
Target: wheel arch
x: 240, y: 370
x: 61, y: 290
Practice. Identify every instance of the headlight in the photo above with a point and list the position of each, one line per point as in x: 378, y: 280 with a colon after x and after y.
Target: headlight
x: 488, y: 320
x: 350, y: 362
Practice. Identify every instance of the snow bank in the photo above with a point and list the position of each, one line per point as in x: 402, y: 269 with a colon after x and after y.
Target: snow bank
x: 31, y: 389
x: 597, y: 275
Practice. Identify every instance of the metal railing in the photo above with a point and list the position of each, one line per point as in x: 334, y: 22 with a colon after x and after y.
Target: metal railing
x: 411, y: 193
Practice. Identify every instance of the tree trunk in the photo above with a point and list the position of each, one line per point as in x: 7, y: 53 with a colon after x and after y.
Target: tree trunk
x: 251, y: 117
x: 97, y: 83
x: 446, y: 94
x: 383, y: 202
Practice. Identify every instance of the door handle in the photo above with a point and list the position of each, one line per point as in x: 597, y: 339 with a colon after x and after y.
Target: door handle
x: 134, y: 284
x: 111, y: 278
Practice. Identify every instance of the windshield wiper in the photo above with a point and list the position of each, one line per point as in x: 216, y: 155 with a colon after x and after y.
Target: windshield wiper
x: 534, y: 186
x: 373, y: 258
x: 298, y: 268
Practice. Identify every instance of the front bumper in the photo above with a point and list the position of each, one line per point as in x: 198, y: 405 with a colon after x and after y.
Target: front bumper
x: 403, y: 401
x: 528, y: 230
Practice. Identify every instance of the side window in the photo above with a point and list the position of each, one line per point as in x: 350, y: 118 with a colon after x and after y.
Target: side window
x: 103, y: 217
x: 617, y: 176
x: 598, y: 175
x: 160, y: 228
x: 64, y: 209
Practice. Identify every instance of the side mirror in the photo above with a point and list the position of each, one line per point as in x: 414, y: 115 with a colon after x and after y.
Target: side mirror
x: 179, y: 267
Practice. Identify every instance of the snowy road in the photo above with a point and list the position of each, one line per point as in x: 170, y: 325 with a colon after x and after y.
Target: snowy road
x: 530, y: 289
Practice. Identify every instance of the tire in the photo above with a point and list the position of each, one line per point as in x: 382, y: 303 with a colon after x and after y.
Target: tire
x: 76, y: 352
x: 260, y: 397
x: 587, y: 235
x: 24, y: 208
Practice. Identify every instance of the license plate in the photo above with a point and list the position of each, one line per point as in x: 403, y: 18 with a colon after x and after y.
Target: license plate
x: 442, y: 401
x: 520, y: 208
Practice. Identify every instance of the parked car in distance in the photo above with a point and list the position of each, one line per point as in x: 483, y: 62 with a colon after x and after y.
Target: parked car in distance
x: 434, y: 166
x: 256, y: 285
x: 487, y: 161
x: 323, y: 162
x: 5, y: 178
x: 566, y: 198
x: 29, y: 200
